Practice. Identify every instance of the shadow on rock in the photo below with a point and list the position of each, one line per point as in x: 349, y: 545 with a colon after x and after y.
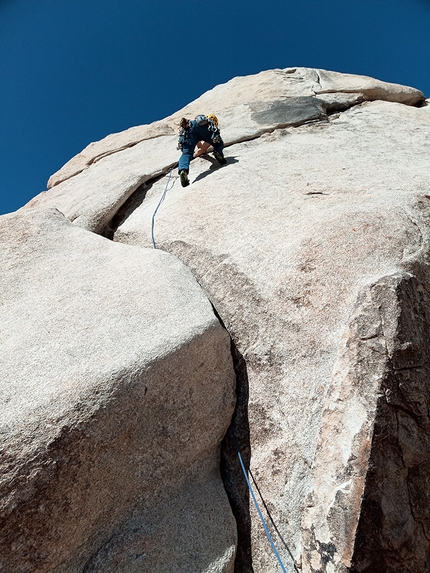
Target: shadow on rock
x: 231, y: 472
x: 214, y: 166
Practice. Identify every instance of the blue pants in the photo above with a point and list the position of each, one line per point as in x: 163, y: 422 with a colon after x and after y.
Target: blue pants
x: 193, y: 135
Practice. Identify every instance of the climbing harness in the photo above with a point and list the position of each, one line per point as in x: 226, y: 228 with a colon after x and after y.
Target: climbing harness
x: 269, y: 537
x: 159, y: 203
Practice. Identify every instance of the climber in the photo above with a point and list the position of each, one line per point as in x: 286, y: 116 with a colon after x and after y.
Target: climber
x: 193, y: 132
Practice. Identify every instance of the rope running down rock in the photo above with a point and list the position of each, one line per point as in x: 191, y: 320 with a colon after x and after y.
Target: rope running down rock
x: 159, y: 203
x: 269, y: 537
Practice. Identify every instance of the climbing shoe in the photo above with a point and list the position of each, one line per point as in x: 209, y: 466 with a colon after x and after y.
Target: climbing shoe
x: 220, y: 158
x: 183, y: 175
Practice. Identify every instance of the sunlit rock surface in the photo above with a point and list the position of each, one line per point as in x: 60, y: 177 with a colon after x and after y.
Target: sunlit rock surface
x: 117, y: 389
x: 312, y: 246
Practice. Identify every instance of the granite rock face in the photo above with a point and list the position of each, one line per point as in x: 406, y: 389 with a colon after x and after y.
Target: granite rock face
x: 370, y: 469
x: 312, y: 244
x: 111, y: 144
x: 250, y: 106
x: 284, y: 240
x: 117, y: 389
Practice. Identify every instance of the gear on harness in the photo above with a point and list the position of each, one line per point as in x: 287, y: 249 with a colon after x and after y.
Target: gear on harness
x: 184, y: 124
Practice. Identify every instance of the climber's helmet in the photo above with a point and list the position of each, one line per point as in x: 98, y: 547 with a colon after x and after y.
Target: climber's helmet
x: 213, y: 118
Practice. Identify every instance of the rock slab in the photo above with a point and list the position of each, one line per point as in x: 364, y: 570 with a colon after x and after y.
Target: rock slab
x: 117, y: 389
x: 284, y: 239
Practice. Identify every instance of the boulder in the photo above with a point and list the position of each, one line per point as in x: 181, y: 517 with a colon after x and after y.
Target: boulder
x: 117, y: 389
x: 312, y: 245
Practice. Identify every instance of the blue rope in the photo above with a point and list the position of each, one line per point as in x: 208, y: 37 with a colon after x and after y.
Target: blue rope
x: 159, y: 203
x: 273, y: 523
x: 269, y: 537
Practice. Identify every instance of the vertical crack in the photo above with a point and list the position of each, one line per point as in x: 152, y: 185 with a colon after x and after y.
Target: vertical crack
x: 231, y: 472
x: 318, y: 81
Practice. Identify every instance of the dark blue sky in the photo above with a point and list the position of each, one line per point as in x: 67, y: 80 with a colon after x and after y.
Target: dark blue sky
x: 73, y: 71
